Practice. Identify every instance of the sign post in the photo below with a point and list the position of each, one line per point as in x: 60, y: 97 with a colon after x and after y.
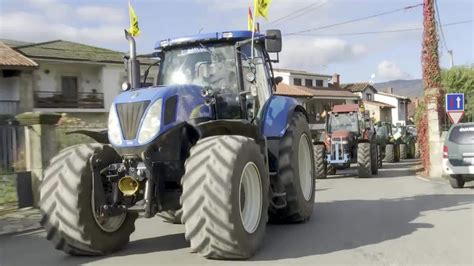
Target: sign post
x: 455, y: 106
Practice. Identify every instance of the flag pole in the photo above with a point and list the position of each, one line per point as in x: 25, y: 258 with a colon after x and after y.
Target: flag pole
x: 253, y: 25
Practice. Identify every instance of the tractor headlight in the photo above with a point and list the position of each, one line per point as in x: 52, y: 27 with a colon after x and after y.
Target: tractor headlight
x: 114, y: 129
x: 152, y: 122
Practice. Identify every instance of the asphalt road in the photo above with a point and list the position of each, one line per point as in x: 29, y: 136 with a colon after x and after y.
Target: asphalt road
x: 394, y: 218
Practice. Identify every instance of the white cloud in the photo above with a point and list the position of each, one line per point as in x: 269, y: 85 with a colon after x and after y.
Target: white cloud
x: 105, y: 14
x: 389, y: 70
x: 31, y: 27
x: 309, y: 53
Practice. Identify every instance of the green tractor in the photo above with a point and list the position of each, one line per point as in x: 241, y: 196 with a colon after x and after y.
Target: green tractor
x: 387, y: 142
x: 408, y: 147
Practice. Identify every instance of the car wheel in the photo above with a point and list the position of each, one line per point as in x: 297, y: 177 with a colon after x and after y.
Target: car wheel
x: 456, y: 181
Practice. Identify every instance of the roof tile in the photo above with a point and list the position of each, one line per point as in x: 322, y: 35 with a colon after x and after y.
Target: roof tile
x: 11, y: 58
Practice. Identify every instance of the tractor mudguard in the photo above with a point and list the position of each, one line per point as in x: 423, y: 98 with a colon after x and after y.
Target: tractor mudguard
x: 276, y: 113
x: 98, y: 135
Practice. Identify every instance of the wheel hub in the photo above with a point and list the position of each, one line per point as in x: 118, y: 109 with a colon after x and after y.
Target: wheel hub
x: 305, y: 168
x: 250, y: 197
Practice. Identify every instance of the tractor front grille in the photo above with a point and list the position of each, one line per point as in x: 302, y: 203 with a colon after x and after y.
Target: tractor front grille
x: 130, y: 115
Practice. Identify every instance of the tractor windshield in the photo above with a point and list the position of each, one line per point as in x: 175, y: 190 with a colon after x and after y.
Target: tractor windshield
x: 207, y: 65
x: 343, y: 121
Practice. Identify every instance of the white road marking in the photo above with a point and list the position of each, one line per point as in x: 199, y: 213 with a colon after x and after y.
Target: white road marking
x: 427, y: 180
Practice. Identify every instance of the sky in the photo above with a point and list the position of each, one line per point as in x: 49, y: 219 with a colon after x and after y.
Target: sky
x: 357, y: 58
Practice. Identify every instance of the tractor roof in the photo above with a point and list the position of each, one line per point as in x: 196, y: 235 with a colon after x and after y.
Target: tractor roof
x: 208, y: 37
x: 345, y: 108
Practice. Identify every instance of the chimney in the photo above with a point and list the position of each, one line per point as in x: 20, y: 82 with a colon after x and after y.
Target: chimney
x: 390, y: 90
x: 335, y: 80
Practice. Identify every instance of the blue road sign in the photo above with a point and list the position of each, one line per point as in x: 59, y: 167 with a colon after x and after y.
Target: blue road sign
x: 454, y: 102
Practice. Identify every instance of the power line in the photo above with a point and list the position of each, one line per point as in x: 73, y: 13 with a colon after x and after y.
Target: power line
x: 355, y: 20
x: 440, y: 26
x: 298, y: 13
x: 379, y: 32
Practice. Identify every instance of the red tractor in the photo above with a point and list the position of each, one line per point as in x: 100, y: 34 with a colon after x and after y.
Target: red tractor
x: 350, y: 138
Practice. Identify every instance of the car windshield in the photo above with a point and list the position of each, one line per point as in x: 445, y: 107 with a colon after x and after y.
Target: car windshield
x: 462, y: 134
x: 207, y: 65
x: 344, y: 121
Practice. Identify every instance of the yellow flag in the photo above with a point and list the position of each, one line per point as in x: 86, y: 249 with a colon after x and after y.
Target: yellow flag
x: 261, y: 8
x: 134, y: 29
x: 250, y: 20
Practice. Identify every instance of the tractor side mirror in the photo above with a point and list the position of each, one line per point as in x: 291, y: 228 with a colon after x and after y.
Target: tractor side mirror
x: 273, y: 41
x: 278, y: 80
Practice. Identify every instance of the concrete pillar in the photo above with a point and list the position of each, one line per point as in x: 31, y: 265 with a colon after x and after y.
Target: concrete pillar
x: 434, y: 133
x: 41, y: 144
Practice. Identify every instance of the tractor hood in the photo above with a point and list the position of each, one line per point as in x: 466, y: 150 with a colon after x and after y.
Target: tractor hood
x: 138, y: 117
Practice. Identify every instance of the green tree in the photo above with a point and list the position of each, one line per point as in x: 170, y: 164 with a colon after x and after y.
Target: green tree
x: 461, y: 79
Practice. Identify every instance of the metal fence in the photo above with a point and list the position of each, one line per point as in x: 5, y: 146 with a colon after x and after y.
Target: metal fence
x: 11, y: 147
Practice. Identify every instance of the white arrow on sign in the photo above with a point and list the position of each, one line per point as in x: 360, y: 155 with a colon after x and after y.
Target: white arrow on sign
x: 455, y: 116
x: 458, y: 99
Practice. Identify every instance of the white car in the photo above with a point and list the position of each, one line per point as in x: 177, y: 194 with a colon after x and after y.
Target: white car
x: 458, y: 154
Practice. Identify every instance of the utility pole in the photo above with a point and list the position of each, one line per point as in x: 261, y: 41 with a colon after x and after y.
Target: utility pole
x: 429, y: 125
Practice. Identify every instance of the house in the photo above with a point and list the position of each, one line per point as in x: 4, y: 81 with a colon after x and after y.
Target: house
x: 400, y: 103
x: 379, y: 111
x: 12, y: 66
x: 364, y: 90
x: 302, y: 78
x: 73, y: 78
x: 318, y: 100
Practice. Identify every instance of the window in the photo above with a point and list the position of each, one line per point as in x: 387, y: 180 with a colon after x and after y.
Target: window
x: 297, y: 81
x: 308, y: 82
x: 369, y: 96
x: 319, y: 83
x: 69, y: 87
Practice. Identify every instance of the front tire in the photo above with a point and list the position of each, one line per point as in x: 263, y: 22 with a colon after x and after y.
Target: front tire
x: 456, y: 181
x: 331, y: 169
x: 379, y: 157
x: 389, y: 153
x: 171, y: 216
x: 320, y: 162
x: 364, y: 160
x: 67, y: 209
x: 417, y: 150
x: 374, y: 159
x: 403, y: 151
x: 296, y: 173
x: 225, y: 197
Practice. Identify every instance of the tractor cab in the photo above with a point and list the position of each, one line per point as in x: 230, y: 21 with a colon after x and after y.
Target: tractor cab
x: 222, y: 64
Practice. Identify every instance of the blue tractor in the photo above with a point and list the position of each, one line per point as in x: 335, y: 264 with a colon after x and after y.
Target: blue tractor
x: 208, y: 145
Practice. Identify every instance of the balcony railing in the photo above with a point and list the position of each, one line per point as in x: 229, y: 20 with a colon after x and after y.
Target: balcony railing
x: 9, y: 107
x: 54, y: 99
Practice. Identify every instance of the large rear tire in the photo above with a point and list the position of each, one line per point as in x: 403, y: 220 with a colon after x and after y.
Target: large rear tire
x: 296, y: 173
x: 389, y: 153
x: 320, y: 162
x: 225, y: 197
x: 403, y: 151
x: 364, y: 160
x: 66, y: 204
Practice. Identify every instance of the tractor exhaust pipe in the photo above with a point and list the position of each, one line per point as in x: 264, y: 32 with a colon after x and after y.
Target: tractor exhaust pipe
x: 133, y: 67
